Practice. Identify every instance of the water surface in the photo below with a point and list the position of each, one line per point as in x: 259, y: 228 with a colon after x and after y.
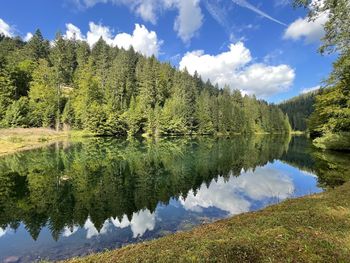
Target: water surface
x: 71, y: 199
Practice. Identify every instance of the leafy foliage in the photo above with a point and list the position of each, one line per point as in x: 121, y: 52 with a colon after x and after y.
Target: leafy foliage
x: 331, y: 118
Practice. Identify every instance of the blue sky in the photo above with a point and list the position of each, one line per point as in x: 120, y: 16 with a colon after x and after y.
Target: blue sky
x: 265, y: 48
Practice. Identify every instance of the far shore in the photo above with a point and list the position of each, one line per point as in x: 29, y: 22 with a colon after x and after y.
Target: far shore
x: 22, y: 139
x: 14, y: 140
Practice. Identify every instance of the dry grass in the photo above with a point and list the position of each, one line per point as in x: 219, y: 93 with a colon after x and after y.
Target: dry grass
x: 19, y: 139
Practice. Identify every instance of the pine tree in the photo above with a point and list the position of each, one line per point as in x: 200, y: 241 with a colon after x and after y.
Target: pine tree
x: 37, y: 47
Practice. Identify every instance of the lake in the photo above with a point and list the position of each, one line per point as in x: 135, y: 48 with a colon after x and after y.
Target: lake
x: 75, y: 198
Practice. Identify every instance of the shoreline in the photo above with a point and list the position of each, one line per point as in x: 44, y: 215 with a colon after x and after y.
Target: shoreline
x: 15, y: 140
x: 314, y: 228
x: 23, y: 139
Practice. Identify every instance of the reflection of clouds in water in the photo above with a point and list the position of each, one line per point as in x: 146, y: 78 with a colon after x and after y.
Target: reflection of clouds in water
x: 68, y: 231
x: 141, y: 222
x: 2, y: 232
x: 91, y: 229
x: 5, y: 231
x: 308, y: 173
x: 236, y: 195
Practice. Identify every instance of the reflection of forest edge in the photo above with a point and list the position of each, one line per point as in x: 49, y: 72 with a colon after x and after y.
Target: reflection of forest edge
x: 64, y: 184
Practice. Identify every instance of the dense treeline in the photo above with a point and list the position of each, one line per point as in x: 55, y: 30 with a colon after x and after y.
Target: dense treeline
x: 330, y: 122
x: 299, y: 110
x: 111, y: 91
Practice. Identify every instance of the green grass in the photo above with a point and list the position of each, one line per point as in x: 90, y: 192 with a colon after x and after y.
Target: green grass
x: 315, y: 228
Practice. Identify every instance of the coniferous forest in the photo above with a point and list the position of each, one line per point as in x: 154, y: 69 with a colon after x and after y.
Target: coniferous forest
x: 299, y: 110
x: 66, y: 84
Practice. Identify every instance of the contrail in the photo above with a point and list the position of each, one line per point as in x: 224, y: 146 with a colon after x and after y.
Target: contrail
x: 244, y: 3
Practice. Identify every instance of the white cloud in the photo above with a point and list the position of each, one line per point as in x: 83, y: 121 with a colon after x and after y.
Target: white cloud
x: 28, y: 37
x: 263, y: 80
x: 189, y: 20
x: 142, y: 40
x: 310, y: 89
x: 311, y: 31
x: 6, y: 29
x: 96, y: 32
x: 73, y: 32
x: 141, y: 222
x: 235, y: 69
x: 238, y: 194
x: 187, y: 23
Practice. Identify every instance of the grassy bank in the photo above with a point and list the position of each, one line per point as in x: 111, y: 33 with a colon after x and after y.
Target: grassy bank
x: 309, y: 229
x: 19, y: 139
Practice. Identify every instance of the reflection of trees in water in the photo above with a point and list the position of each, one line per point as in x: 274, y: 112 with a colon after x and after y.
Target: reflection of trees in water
x: 62, y: 186
x: 332, y: 168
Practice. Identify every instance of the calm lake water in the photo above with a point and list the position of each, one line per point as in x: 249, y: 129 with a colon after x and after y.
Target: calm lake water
x: 74, y: 198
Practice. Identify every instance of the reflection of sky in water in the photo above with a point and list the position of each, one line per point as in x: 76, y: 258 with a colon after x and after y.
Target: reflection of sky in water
x: 141, y: 222
x: 250, y: 191
x: 239, y: 193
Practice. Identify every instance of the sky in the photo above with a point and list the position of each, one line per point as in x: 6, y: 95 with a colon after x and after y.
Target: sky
x: 261, y: 47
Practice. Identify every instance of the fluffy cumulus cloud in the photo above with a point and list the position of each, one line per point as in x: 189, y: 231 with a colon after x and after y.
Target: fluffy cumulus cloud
x: 303, y: 28
x: 6, y: 29
x: 235, y: 68
x: 73, y: 32
x: 238, y: 194
x: 142, y: 40
x: 311, y: 31
x: 187, y: 23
